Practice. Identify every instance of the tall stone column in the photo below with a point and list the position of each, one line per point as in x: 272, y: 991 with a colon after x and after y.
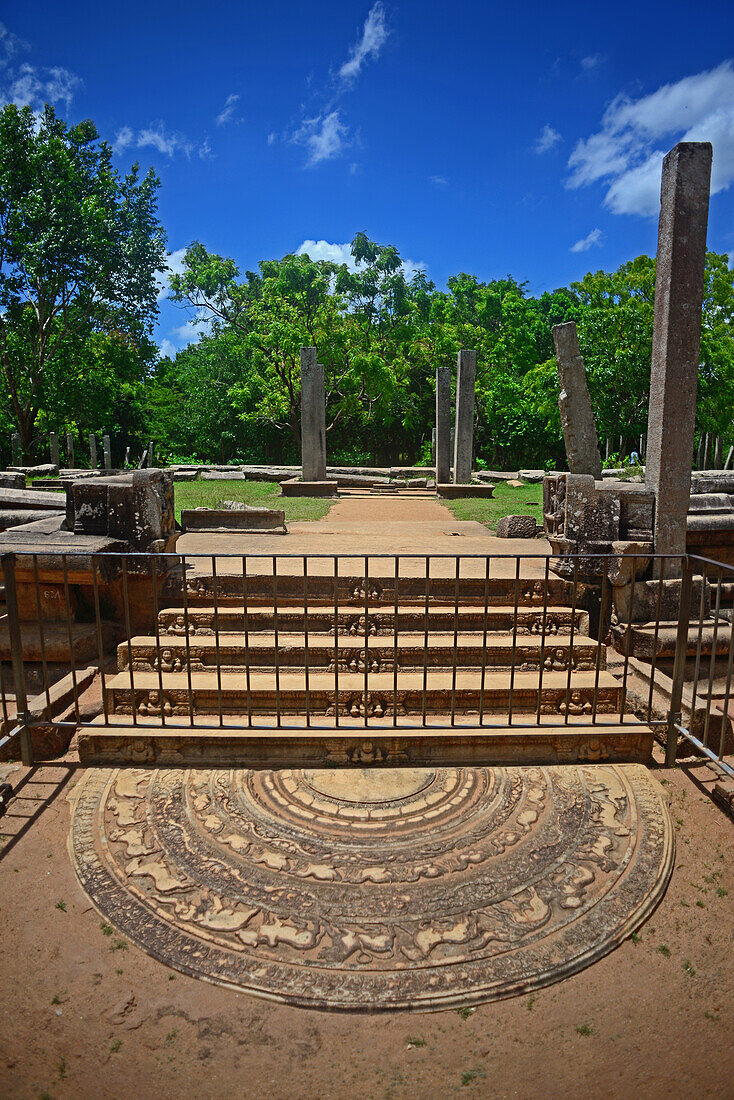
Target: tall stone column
x: 313, y: 417
x: 93, y: 452
x: 574, y: 403
x: 107, y: 449
x: 70, y: 450
x: 466, y: 371
x: 53, y: 448
x: 676, y: 341
x: 16, y: 449
x: 443, y: 425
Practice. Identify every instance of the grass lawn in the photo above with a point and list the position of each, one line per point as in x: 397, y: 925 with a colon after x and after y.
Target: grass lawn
x: 263, y: 494
x: 507, y: 501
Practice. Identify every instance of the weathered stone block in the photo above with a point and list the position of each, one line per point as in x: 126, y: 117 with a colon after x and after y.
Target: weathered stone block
x: 12, y: 481
x: 135, y: 508
x: 516, y: 527
x: 629, y: 557
x: 574, y: 402
x: 642, y: 600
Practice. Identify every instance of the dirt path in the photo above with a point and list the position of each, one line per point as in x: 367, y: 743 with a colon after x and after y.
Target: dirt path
x: 379, y: 525
x: 85, y: 1014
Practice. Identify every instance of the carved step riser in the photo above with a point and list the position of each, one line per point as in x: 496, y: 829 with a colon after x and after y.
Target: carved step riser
x: 376, y: 624
x: 378, y: 659
x: 378, y: 705
x: 380, y: 590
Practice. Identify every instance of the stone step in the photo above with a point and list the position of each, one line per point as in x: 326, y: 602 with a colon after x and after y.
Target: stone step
x: 378, y: 622
x: 350, y: 588
x: 647, y: 642
x: 351, y: 745
x: 210, y: 692
x: 232, y: 654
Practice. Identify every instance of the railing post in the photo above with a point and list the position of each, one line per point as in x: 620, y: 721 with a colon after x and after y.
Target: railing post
x: 16, y: 657
x: 681, y: 646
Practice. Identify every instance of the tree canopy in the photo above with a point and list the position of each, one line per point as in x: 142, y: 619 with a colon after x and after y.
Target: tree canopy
x: 79, y: 251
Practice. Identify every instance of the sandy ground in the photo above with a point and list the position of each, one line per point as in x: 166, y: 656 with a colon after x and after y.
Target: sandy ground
x: 376, y: 525
x: 85, y: 1014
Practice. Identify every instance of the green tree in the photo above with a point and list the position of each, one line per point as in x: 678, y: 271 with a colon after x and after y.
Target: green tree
x: 79, y: 252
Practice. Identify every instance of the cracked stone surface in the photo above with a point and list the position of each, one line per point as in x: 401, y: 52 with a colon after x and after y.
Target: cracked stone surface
x: 374, y: 889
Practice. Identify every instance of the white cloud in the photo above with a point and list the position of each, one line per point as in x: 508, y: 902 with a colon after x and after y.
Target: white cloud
x: 167, y: 349
x: 174, y: 266
x: 440, y: 181
x: 31, y: 86
x: 596, y: 237
x: 227, y: 113
x: 10, y: 45
x: 547, y: 139
x: 628, y: 149
x: 342, y: 254
x: 272, y: 138
x: 374, y: 36
x: 325, y: 137
x: 123, y: 140
x: 155, y: 136
x: 593, y: 61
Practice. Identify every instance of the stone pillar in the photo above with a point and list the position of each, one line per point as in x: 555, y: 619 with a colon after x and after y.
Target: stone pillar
x: 313, y: 417
x: 574, y: 402
x: 443, y: 425
x: 53, y: 448
x: 150, y: 454
x: 93, y: 452
x: 466, y: 371
x: 16, y: 449
x: 70, y: 450
x: 107, y: 452
x: 676, y: 341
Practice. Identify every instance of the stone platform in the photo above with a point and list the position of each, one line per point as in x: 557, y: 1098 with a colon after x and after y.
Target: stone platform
x: 374, y: 890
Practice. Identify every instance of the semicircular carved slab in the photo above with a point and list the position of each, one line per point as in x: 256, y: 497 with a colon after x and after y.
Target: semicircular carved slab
x: 374, y: 889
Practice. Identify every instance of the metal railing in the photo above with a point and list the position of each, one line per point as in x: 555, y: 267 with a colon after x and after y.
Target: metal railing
x: 376, y: 640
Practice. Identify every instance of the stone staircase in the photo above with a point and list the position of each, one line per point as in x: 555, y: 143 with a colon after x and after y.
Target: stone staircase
x: 450, y: 669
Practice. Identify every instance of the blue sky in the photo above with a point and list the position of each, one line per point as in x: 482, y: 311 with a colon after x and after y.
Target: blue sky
x: 476, y: 136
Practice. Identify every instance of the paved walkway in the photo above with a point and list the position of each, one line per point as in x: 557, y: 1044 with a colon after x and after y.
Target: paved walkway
x: 378, y: 525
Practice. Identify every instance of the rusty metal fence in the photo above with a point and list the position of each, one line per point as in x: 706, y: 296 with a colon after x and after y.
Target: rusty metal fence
x: 322, y: 641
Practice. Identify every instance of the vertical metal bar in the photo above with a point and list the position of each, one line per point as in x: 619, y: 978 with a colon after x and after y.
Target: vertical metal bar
x: 457, y: 568
x: 712, y: 662
x: 100, y: 645
x: 246, y: 631
x: 482, y: 685
x: 128, y: 631
x: 727, y: 694
x: 154, y: 566
x: 366, y: 640
x: 215, y: 586
x: 681, y: 645
x: 513, y: 658
x: 336, y: 641
x: 653, y: 664
x: 305, y: 638
x: 187, y: 641
x: 41, y: 633
x: 70, y: 635
x: 574, y: 598
x: 425, y: 641
x: 395, y: 645
x: 628, y: 642
x: 275, y: 640
x: 22, y: 716
x: 600, y: 642
x: 701, y: 605
x: 543, y: 626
